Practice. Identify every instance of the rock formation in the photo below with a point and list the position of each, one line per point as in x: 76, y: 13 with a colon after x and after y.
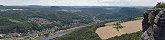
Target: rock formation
x: 153, y: 24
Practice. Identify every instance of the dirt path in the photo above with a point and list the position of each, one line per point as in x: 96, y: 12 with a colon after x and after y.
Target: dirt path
x: 108, y: 31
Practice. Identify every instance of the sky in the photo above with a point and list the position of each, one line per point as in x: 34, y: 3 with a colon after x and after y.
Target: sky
x: 81, y: 2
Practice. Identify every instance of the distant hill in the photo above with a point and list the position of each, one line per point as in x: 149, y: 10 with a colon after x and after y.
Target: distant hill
x: 118, y: 13
x: 42, y: 17
x: 1, y: 5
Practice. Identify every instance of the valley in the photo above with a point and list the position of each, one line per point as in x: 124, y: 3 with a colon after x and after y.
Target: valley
x: 54, y: 22
x: 82, y: 19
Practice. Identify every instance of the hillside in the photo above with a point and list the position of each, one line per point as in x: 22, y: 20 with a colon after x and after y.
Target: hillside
x: 31, y: 21
x: 110, y: 30
x: 132, y: 36
x: 37, y: 20
x: 87, y: 33
x: 40, y: 19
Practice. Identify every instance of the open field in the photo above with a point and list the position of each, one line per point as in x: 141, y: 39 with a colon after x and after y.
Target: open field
x: 129, y: 27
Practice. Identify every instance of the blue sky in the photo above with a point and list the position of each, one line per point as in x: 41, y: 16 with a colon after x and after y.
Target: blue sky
x: 82, y: 2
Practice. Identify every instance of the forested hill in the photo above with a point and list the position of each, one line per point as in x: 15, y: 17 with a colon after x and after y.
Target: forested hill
x: 28, y: 20
x: 24, y: 19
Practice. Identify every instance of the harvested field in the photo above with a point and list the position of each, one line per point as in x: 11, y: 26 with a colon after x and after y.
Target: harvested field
x: 129, y: 27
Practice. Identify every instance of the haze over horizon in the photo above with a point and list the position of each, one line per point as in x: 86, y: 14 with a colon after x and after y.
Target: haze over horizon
x: 81, y: 2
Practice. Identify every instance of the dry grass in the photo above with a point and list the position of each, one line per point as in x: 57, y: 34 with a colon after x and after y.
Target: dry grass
x: 108, y: 31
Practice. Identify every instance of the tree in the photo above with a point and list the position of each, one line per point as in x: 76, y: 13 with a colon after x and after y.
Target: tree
x: 151, y: 18
x: 160, y: 5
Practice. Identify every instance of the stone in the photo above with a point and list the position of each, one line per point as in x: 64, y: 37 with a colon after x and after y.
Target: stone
x: 157, y: 30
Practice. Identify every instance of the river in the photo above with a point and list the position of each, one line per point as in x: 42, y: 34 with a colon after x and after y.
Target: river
x: 60, y: 33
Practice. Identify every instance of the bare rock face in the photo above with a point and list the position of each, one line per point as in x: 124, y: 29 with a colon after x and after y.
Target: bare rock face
x: 145, y: 23
x: 155, y: 30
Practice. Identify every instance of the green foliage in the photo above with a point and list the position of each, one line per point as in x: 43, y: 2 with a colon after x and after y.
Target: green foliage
x: 160, y: 5
x: 20, y: 21
x: 132, y: 36
x: 151, y: 18
x: 87, y: 33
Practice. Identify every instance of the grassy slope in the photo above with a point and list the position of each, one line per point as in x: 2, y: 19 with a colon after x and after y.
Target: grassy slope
x: 132, y: 36
x: 87, y: 33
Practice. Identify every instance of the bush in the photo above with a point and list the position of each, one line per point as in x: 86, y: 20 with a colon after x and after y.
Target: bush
x: 160, y: 5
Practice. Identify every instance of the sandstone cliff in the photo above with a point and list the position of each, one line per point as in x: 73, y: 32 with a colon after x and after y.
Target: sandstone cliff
x: 153, y: 24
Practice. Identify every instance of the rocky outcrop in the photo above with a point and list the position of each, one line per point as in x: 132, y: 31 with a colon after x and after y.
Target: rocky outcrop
x: 153, y: 24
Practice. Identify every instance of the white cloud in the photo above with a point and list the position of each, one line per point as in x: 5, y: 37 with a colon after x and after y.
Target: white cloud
x: 82, y: 2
